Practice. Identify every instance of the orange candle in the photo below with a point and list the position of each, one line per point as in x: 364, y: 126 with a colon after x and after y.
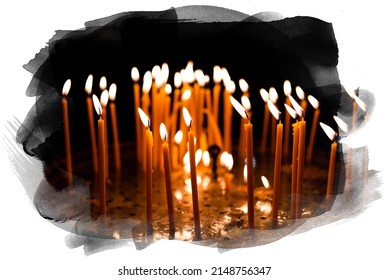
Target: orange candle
x: 331, y: 169
x: 287, y: 92
x: 149, y: 169
x: 168, y: 180
x: 229, y: 90
x: 136, y: 88
x: 102, y: 160
x: 217, y: 77
x: 301, y: 95
x: 92, y: 132
x: 115, y: 132
x: 104, y: 100
x: 193, y: 175
x: 277, y: 162
x: 68, y: 153
x: 242, y: 140
x: 300, y: 168
x: 315, y: 104
x: 266, y: 116
x: 249, y: 159
x: 147, y: 82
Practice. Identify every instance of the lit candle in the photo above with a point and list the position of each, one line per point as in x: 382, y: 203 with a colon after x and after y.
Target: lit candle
x: 247, y: 105
x: 193, y: 176
x: 287, y: 92
x: 176, y: 158
x: 277, y: 161
x: 227, y: 161
x: 249, y: 159
x: 217, y: 77
x: 296, y: 131
x: 265, y: 126
x: 135, y: 78
x: 273, y: 97
x: 315, y: 104
x: 68, y: 153
x: 301, y: 95
x: 92, y: 132
x: 102, y: 160
x: 149, y: 168
x: 104, y: 101
x: 115, y: 132
x: 230, y: 89
x: 145, y: 100
x: 331, y: 170
x: 168, y: 180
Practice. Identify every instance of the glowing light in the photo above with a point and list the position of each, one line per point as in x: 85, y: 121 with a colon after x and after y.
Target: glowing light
x: 217, y: 74
x: 264, y: 94
x: 287, y: 88
x: 238, y: 107
x: 186, y: 95
x: 243, y: 208
x: 144, y: 118
x: 230, y: 86
x: 206, y: 158
x: 155, y: 71
x: 273, y: 110
x: 89, y: 84
x: 116, y: 234
x: 342, y: 125
x: 147, y: 82
x: 245, y: 173
x: 198, y: 156
x: 135, y: 74
x: 168, y: 89
x: 296, y: 106
x: 246, y: 102
x: 163, y: 131
x: 300, y: 93
x: 244, y: 86
x: 177, y: 80
x: 104, y: 98
x: 165, y: 72
x: 273, y: 95
x: 265, y: 182
x: 187, y: 117
x: 178, y: 137
x: 112, y: 92
x: 66, y: 87
x: 97, y: 105
x: 328, y: 131
x: 313, y: 101
x: 290, y: 110
x: 178, y: 195
x: 103, y: 83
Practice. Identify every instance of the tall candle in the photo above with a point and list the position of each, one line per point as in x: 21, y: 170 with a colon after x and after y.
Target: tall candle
x: 230, y: 89
x: 300, y: 168
x: 273, y: 97
x: 104, y: 101
x: 287, y: 92
x: 217, y: 76
x: 242, y: 140
x: 301, y: 95
x: 315, y: 104
x: 102, y: 160
x: 249, y: 159
x: 331, y: 169
x: 277, y: 162
x: 136, y: 91
x: 265, y: 126
x: 193, y: 175
x: 145, y: 100
x: 92, y: 132
x: 149, y: 169
x: 115, y: 132
x: 65, y: 114
x: 168, y: 180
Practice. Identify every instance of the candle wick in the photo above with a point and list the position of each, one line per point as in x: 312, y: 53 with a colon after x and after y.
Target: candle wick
x: 247, y: 115
x: 190, y: 124
x: 148, y: 124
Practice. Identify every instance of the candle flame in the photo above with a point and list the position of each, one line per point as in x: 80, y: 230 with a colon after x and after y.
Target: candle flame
x: 225, y: 75
x: 187, y: 117
x: 342, y: 125
x: 177, y: 80
x: 112, y: 92
x: 223, y: 158
x: 243, y: 208
x: 96, y: 103
x: 296, y: 106
x: 163, y: 131
x: 155, y: 71
x: 287, y: 88
x: 264, y: 94
x: 244, y: 86
x: 66, y: 87
x: 265, y: 182
x: 103, y: 83
x: 189, y: 72
x: 185, y: 159
x: 238, y: 107
x: 104, y: 98
x: 186, y: 95
x: 159, y: 80
x: 206, y: 79
x: 135, y: 74
x: 328, y: 131
x: 200, y: 78
x: 314, y: 102
x: 178, y: 195
x: 290, y: 110
x: 198, y: 156
x: 227, y: 160
x: 360, y: 103
x: 144, y: 118
x: 168, y: 89
x: 217, y: 74
x: 88, y: 84
x: 206, y: 158
x: 178, y: 137
x: 246, y: 102
x: 273, y: 95
x: 230, y: 87
x: 300, y: 93
x: 245, y: 173
x: 273, y: 110
x: 165, y: 72
x: 147, y: 82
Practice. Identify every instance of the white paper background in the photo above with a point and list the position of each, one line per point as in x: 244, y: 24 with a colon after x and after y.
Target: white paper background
x: 32, y: 248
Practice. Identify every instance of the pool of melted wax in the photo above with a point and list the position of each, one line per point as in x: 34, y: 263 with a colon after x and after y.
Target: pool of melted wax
x: 222, y: 208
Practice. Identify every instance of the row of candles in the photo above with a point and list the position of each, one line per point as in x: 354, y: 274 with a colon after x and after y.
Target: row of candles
x: 192, y: 97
